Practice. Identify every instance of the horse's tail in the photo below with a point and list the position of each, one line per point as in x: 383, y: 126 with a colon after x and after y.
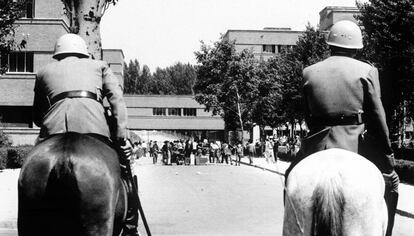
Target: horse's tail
x: 328, y: 207
x: 63, y: 194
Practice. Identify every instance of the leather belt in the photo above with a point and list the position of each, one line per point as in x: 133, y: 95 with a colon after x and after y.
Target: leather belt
x: 75, y: 94
x: 337, y: 119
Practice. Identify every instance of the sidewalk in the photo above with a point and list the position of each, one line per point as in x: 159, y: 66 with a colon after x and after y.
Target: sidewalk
x: 260, y: 162
x: 405, y: 202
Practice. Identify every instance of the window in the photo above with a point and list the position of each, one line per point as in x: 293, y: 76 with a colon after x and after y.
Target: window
x: 174, y: 111
x: 283, y: 48
x: 28, y: 8
x: 189, y: 112
x: 18, y: 61
x: 269, y: 48
x: 158, y: 111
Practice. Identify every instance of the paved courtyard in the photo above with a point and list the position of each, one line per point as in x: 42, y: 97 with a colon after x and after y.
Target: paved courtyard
x: 215, y: 199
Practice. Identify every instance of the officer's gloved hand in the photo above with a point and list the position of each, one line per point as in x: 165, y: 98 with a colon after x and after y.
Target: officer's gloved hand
x: 391, y: 163
x: 126, y: 147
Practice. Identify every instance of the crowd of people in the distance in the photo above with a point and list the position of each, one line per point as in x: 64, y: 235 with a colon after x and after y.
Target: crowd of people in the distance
x: 180, y: 151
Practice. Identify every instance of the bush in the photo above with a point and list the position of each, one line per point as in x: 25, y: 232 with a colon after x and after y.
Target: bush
x: 5, y: 140
x: 16, y: 156
x: 404, y: 154
x: 405, y: 170
x: 3, y: 158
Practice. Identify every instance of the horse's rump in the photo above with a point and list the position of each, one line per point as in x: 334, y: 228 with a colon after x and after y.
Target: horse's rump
x: 335, y: 192
x: 69, y: 185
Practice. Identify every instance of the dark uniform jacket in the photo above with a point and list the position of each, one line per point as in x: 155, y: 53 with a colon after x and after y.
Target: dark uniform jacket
x: 83, y: 115
x: 341, y: 87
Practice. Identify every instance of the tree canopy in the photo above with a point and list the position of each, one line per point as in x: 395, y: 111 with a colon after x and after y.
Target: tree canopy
x: 389, y: 44
x: 287, y: 69
x: 10, y: 11
x: 177, y: 79
x: 246, y: 91
x: 227, y: 82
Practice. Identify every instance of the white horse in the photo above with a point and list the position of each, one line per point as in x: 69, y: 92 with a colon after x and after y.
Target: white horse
x: 335, y: 192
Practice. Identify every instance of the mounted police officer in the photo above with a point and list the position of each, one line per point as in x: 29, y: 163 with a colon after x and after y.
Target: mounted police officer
x: 68, y: 98
x: 344, y: 110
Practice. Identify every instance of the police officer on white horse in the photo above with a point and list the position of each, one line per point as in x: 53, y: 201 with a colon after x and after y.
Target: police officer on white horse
x: 68, y: 98
x: 344, y: 110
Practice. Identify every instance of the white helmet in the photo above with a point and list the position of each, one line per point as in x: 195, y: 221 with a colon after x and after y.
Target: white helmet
x: 71, y: 44
x: 345, y: 34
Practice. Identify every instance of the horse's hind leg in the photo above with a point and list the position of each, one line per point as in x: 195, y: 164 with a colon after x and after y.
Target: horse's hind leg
x: 99, y: 194
x: 38, y: 211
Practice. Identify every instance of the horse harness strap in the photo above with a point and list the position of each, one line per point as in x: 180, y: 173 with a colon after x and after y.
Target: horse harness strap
x: 337, y: 119
x: 75, y: 94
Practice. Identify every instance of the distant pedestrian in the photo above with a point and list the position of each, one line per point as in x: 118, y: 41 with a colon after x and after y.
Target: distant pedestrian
x: 226, y: 153
x: 239, y: 153
x: 269, y: 154
x: 134, y: 151
x: 155, y: 150
x: 251, y: 151
x: 275, y: 148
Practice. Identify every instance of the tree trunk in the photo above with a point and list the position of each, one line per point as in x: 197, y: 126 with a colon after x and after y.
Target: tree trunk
x: 240, y: 116
x: 85, y: 17
x: 89, y: 17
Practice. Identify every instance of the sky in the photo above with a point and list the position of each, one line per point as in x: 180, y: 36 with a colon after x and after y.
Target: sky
x: 160, y: 33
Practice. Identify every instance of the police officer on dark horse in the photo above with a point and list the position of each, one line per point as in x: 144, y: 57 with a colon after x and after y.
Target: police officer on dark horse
x: 72, y: 177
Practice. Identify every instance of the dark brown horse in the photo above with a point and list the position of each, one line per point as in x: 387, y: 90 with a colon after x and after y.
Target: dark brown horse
x: 71, y: 184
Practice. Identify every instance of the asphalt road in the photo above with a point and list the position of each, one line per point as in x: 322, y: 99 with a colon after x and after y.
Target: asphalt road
x: 210, y: 200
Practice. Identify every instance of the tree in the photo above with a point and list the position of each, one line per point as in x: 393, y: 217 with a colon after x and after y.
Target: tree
x: 388, y: 39
x: 84, y: 19
x: 227, y: 83
x: 10, y: 11
x: 145, y: 79
x: 183, y: 77
x: 161, y: 82
x: 131, y: 76
x: 286, y: 69
x: 177, y: 79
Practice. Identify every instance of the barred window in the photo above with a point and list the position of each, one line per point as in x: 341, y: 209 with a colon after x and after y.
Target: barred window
x: 189, y: 112
x: 158, y: 111
x: 174, y: 111
x: 18, y: 61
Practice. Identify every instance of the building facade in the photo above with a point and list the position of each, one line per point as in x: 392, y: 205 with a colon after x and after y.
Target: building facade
x: 332, y: 14
x: 263, y: 43
x: 179, y: 114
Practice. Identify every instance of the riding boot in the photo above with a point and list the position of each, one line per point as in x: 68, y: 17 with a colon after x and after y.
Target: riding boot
x: 131, y: 220
x: 391, y: 198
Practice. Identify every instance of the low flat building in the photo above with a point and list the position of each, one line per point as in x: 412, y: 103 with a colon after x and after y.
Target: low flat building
x: 174, y: 113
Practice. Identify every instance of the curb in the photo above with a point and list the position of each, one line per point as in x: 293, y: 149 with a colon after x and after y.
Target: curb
x: 263, y: 168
